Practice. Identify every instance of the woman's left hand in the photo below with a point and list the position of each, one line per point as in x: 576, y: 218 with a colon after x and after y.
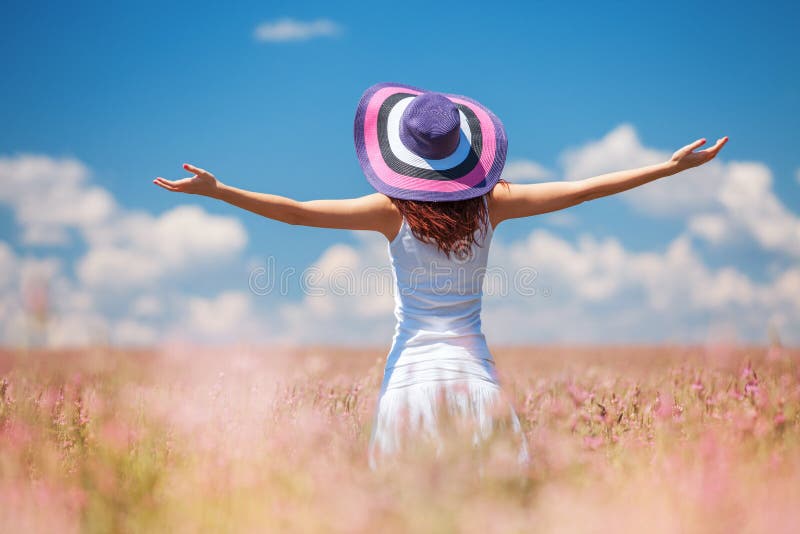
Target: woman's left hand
x: 202, y: 183
x: 686, y: 158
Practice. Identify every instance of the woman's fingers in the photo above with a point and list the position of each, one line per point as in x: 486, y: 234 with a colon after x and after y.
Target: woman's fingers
x: 710, y: 153
x: 173, y: 185
x: 689, y: 148
x: 685, y: 151
x: 193, y: 169
x: 717, y: 146
x: 165, y: 184
x: 169, y: 183
x: 182, y: 186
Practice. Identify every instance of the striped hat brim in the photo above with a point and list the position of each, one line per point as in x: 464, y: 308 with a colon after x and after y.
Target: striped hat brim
x: 391, y: 168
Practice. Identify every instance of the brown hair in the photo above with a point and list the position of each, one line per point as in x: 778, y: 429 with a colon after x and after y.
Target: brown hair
x: 450, y: 225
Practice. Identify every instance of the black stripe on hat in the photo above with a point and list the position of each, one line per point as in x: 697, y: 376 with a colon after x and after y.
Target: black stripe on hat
x: 401, y: 167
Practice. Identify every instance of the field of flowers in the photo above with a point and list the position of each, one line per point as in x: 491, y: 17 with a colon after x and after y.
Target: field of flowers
x: 623, y: 439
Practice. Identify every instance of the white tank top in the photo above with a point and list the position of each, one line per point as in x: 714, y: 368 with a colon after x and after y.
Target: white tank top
x: 438, y: 310
x: 437, y: 342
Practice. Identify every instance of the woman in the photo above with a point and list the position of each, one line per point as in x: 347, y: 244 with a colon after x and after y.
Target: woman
x: 435, y: 160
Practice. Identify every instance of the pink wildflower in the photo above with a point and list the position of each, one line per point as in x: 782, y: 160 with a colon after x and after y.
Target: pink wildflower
x: 592, y: 442
x: 578, y: 394
x: 747, y: 371
x: 664, y: 406
x: 779, y: 420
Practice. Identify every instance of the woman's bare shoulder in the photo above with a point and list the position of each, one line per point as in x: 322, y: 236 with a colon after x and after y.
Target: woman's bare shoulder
x: 496, y: 198
x: 390, y: 215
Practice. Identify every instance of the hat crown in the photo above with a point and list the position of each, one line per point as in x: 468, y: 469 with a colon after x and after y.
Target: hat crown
x: 431, y: 126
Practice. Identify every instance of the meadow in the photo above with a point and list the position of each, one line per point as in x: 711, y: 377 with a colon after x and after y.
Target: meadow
x: 243, y: 439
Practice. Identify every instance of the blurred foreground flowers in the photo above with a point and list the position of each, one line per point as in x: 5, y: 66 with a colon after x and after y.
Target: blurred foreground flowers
x: 661, y: 439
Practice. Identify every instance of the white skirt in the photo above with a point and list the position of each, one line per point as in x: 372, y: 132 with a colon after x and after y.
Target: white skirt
x: 411, y: 405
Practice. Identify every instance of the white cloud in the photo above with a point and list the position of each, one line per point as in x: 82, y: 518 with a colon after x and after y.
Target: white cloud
x: 147, y: 306
x: 52, y: 199
x: 797, y: 175
x: 77, y: 329
x: 712, y: 227
x: 8, y: 265
x: 220, y: 314
x: 228, y: 317
x: 287, y: 29
x: 50, y: 196
x: 618, y: 149
x: 129, y: 332
x: 39, y: 305
x: 348, y: 297
x: 751, y: 204
x: 525, y: 171
x: 74, y: 317
x: 563, y: 219
x: 596, y: 290
x: 118, y: 267
x: 138, y: 249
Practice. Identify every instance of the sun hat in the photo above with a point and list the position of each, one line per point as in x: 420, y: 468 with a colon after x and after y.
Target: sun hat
x: 422, y: 145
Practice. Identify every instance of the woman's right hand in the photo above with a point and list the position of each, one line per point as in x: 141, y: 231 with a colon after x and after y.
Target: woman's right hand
x: 202, y: 183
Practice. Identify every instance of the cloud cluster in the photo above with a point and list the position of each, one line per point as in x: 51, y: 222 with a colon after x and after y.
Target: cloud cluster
x: 124, y: 252
x: 111, y: 273
x: 347, y: 299
x: 596, y: 290
x: 724, y: 201
x: 590, y: 290
x: 526, y: 171
x: 137, y: 249
x: 291, y: 30
x: 50, y: 197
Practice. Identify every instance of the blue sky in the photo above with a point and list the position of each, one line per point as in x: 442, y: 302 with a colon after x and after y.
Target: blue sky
x: 133, y: 91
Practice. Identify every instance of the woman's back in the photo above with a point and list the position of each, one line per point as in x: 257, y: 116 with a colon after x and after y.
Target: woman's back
x: 437, y: 298
x: 438, y: 346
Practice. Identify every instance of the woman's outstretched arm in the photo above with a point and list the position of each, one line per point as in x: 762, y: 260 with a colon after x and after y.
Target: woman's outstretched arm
x: 524, y: 200
x: 371, y: 212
